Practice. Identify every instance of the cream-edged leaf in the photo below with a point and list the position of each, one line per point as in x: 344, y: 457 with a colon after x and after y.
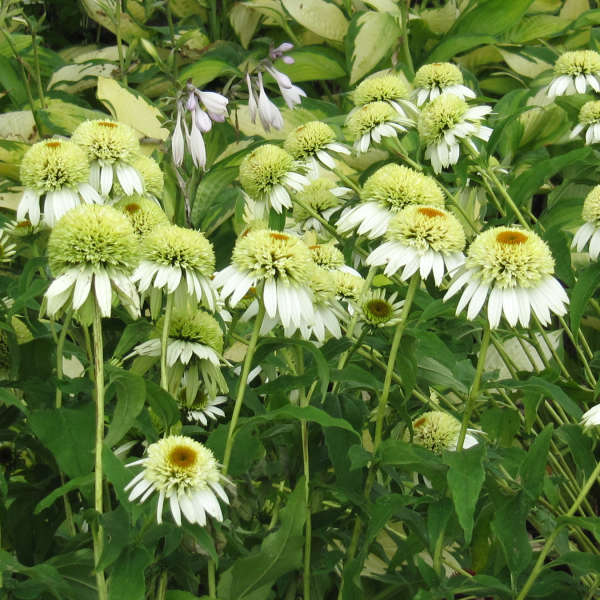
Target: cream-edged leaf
x: 244, y: 21
x: 377, y: 34
x: 131, y: 109
x: 323, y: 18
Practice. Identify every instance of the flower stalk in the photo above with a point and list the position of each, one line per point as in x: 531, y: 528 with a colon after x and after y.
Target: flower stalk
x: 164, y: 371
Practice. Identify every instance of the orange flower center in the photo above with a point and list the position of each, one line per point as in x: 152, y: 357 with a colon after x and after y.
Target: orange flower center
x: 107, y: 124
x: 419, y: 422
x: 182, y: 456
x: 430, y: 212
x: 279, y: 236
x: 511, y: 237
x: 52, y: 144
x: 132, y: 208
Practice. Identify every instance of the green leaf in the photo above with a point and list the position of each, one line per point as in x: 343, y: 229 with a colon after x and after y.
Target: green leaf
x: 450, y: 46
x: 582, y: 562
x: 74, y: 484
x: 133, y: 334
x: 69, y: 434
x: 127, y: 581
x: 372, y: 36
x: 313, y: 63
x: 490, y: 17
x: 352, y: 377
x: 131, y: 394
x: 12, y: 82
x: 587, y: 283
x: 8, y: 399
x: 279, y: 553
x: 465, y: 479
x: 411, y: 458
x: 528, y: 183
x: 162, y: 403
x: 533, y: 468
x: 321, y: 363
x: 306, y: 413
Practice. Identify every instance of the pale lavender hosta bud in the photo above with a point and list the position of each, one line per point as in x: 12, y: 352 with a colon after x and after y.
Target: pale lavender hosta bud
x: 252, y: 105
x: 215, y: 104
x: 177, y: 142
x: 291, y: 93
x: 191, y: 103
x: 196, y: 146
x: 269, y: 114
x: 202, y: 120
x: 275, y: 53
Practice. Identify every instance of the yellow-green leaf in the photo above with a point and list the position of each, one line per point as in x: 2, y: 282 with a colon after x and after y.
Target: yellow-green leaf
x: 244, y: 21
x: 320, y: 17
x: 377, y: 33
x: 131, y: 109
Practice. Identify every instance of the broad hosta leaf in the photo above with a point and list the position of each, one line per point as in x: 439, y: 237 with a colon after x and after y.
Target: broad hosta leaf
x: 490, y: 17
x: 375, y: 34
x: 244, y: 21
x: 279, y: 553
x: 451, y: 46
x: 132, y: 109
x: 465, y: 478
x: 313, y: 63
x: 323, y: 18
x: 129, y: 28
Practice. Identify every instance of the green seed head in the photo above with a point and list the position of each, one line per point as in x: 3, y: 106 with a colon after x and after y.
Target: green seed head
x: 270, y: 254
x: 440, y: 75
x: 143, y: 214
x: 305, y: 140
x: 107, y: 141
x: 93, y: 236
x: 322, y: 285
x: 327, y: 256
x: 440, y: 115
x: 425, y: 227
x: 315, y: 195
x: 264, y: 168
x: 510, y: 257
x: 379, y: 89
x: 395, y: 186
x: 590, y: 113
x: 196, y: 326
x: 54, y: 164
x: 578, y: 62
x: 591, y: 206
x: 174, y: 246
x: 436, y: 431
x: 365, y: 118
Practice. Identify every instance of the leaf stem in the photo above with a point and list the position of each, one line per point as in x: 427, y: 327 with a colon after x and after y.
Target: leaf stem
x: 474, y: 392
x: 97, y: 531
x: 122, y: 70
x: 244, y: 380
x: 539, y: 565
x: 164, y: 339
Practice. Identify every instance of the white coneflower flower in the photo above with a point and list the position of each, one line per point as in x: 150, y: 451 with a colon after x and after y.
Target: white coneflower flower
x: 446, y: 122
x: 591, y: 418
x: 57, y: 170
x: 194, y: 347
x: 111, y: 148
x: 348, y: 288
x: 590, y: 230
x: 436, y: 79
x: 177, y: 261
x: 153, y: 180
x: 385, y: 88
x: 515, y: 267
x: 91, y: 251
x: 205, y: 407
x: 375, y: 120
x: 379, y: 311
x: 312, y: 143
x: 184, y: 472
x: 282, y: 262
x: 7, y: 248
x: 589, y: 120
x: 390, y: 189
x: 267, y: 173
x: 438, y: 431
x: 143, y: 214
x: 421, y: 238
x: 326, y: 309
x: 323, y: 197
x: 574, y: 71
